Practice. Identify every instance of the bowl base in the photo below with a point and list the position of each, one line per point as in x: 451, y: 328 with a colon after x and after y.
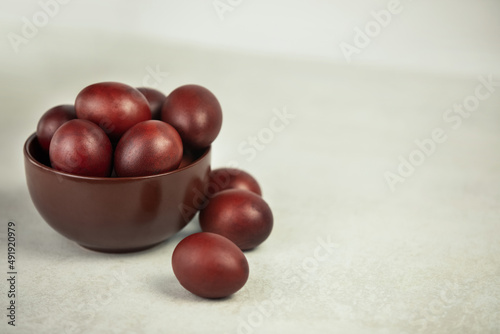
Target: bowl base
x: 118, y: 250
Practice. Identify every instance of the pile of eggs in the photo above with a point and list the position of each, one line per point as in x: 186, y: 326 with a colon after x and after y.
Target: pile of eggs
x: 139, y: 132
x: 115, y: 130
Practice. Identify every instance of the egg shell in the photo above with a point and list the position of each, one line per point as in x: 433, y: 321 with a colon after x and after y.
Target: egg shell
x: 209, y: 265
x: 195, y: 113
x: 82, y: 148
x: 239, y: 215
x: 114, y: 106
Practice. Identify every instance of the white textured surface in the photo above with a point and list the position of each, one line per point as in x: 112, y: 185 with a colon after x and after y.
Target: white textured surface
x: 442, y: 36
x: 422, y: 259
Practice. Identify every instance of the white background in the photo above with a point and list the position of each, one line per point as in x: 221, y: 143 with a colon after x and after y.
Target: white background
x: 446, y: 35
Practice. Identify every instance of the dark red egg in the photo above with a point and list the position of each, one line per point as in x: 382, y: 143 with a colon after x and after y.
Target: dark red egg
x: 81, y: 147
x: 232, y: 178
x: 239, y: 215
x: 195, y: 113
x: 114, y: 106
x: 155, y: 99
x: 148, y: 148
x: 51, y: 121
x: 209, y: 265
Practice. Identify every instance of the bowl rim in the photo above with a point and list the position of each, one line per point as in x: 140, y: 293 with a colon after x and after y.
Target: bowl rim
x: 38, y: 164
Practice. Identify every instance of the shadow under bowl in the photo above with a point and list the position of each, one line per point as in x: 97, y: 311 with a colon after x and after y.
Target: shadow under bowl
x: 111, y: 214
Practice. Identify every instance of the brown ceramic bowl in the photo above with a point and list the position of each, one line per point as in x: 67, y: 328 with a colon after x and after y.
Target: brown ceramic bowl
x: 115, y: 214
